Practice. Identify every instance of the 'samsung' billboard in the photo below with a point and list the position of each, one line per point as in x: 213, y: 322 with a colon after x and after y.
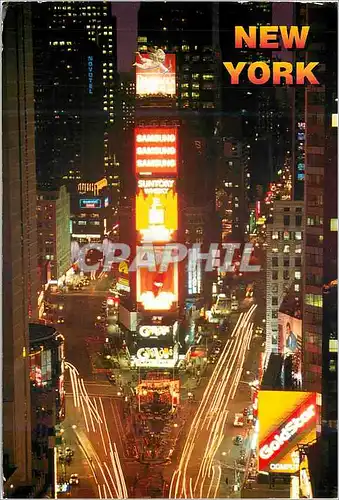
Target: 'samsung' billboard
x: 286, y: 419
x: 155, y: 74
x: 155, y: 151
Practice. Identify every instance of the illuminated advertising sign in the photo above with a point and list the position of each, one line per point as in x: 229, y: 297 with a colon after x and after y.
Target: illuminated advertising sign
x: 290, y: 340
x: 156, y: 151
x: 106, y: 202
x: 155, y: 74
x: 154, y: 331
x: 90, y: 74
x: 157, y: 290
x: 156, y: 210
x: 123, y: 280
x: 90, y: 203
x: 286, y: 419
x: 194, y: 273
x: 300, y: 152
x: 156, y: 357
x: 257, y: 209
x: 41, y: 367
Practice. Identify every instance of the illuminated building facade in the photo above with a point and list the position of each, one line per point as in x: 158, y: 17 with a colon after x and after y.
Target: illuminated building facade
x: 191, y: 32
x: 284, y: 261
x: 321, y: 176
x: 76, y: 109
x: 156, y: 224
x: 232, y: 190
x: 46, y: 373
x: 54, y: 241
x: 20, y: 279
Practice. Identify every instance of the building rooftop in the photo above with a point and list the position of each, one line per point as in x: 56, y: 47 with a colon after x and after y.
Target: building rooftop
x: 39, y: 332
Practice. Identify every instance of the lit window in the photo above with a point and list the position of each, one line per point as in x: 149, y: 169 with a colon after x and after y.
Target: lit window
x: 286, y: 248
x: 334, y: 225
x: 314, y: 300
x: 298, y: 249
x: 297, y: 275
x: 297, y: 287
x: 275, y: 250
x: 275, y: 235
x: 298, y: 235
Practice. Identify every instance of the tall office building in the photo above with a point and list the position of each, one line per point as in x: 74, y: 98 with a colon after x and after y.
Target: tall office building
x: 54, y: 240
x: 75, y: 72
x: 19, y: 242
x: 192, y: 32
x: 284, y: 264
x: 320, y: 176
x: 232, y: 190
x: 263, y: 112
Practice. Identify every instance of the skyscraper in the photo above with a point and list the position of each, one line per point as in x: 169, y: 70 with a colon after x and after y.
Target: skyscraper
x: 75, y: 71
x: 319, y: 157
x: 19, y: 241
x: 192, y: 32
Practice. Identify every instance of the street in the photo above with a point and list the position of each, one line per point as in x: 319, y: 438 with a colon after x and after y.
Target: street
x: 205, y: 460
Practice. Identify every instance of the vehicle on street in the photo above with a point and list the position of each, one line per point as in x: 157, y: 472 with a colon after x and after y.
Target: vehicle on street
x: 238, y: 440
x: 74, y: 479
x: 234, y: 305
x: 61, y: 321
x: 238, y: 420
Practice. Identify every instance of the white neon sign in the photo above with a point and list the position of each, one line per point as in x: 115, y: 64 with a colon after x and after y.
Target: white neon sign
x: 156, y: 163
x: 156, y: 138
x: 154, y: 331
x: 287, y: 432
x: 150, y: 150
x: 156, y: 186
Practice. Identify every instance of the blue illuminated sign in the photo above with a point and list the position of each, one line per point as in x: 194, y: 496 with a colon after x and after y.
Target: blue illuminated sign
x: 90, y: 74
x: 90, y: 203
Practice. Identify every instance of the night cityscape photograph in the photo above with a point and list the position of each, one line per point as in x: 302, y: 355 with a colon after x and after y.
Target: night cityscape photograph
x: 169, y: 249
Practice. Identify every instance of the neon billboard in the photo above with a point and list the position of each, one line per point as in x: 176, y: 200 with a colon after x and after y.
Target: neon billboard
x: 156, y: 357
x: 155, y: 74
x: 286, y: 419
x: 156, y: 210
x: 156, y: 151
x: 157, y: 290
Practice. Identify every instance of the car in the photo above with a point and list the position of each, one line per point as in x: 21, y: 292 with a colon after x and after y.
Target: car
x: 238, y: 440
x: 74, y: 479
x: 238, y: 420
x: 61, y: 321
x: 69, y: 451
x: 216, y: 350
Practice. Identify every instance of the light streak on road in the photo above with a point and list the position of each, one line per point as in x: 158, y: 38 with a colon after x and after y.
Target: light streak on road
x: 109, y: 479
x: 218, y: 481
x: 100, y: 430
x: 207, y: 429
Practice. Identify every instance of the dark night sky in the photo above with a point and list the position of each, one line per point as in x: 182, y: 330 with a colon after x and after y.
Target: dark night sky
x: 127, y: 24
